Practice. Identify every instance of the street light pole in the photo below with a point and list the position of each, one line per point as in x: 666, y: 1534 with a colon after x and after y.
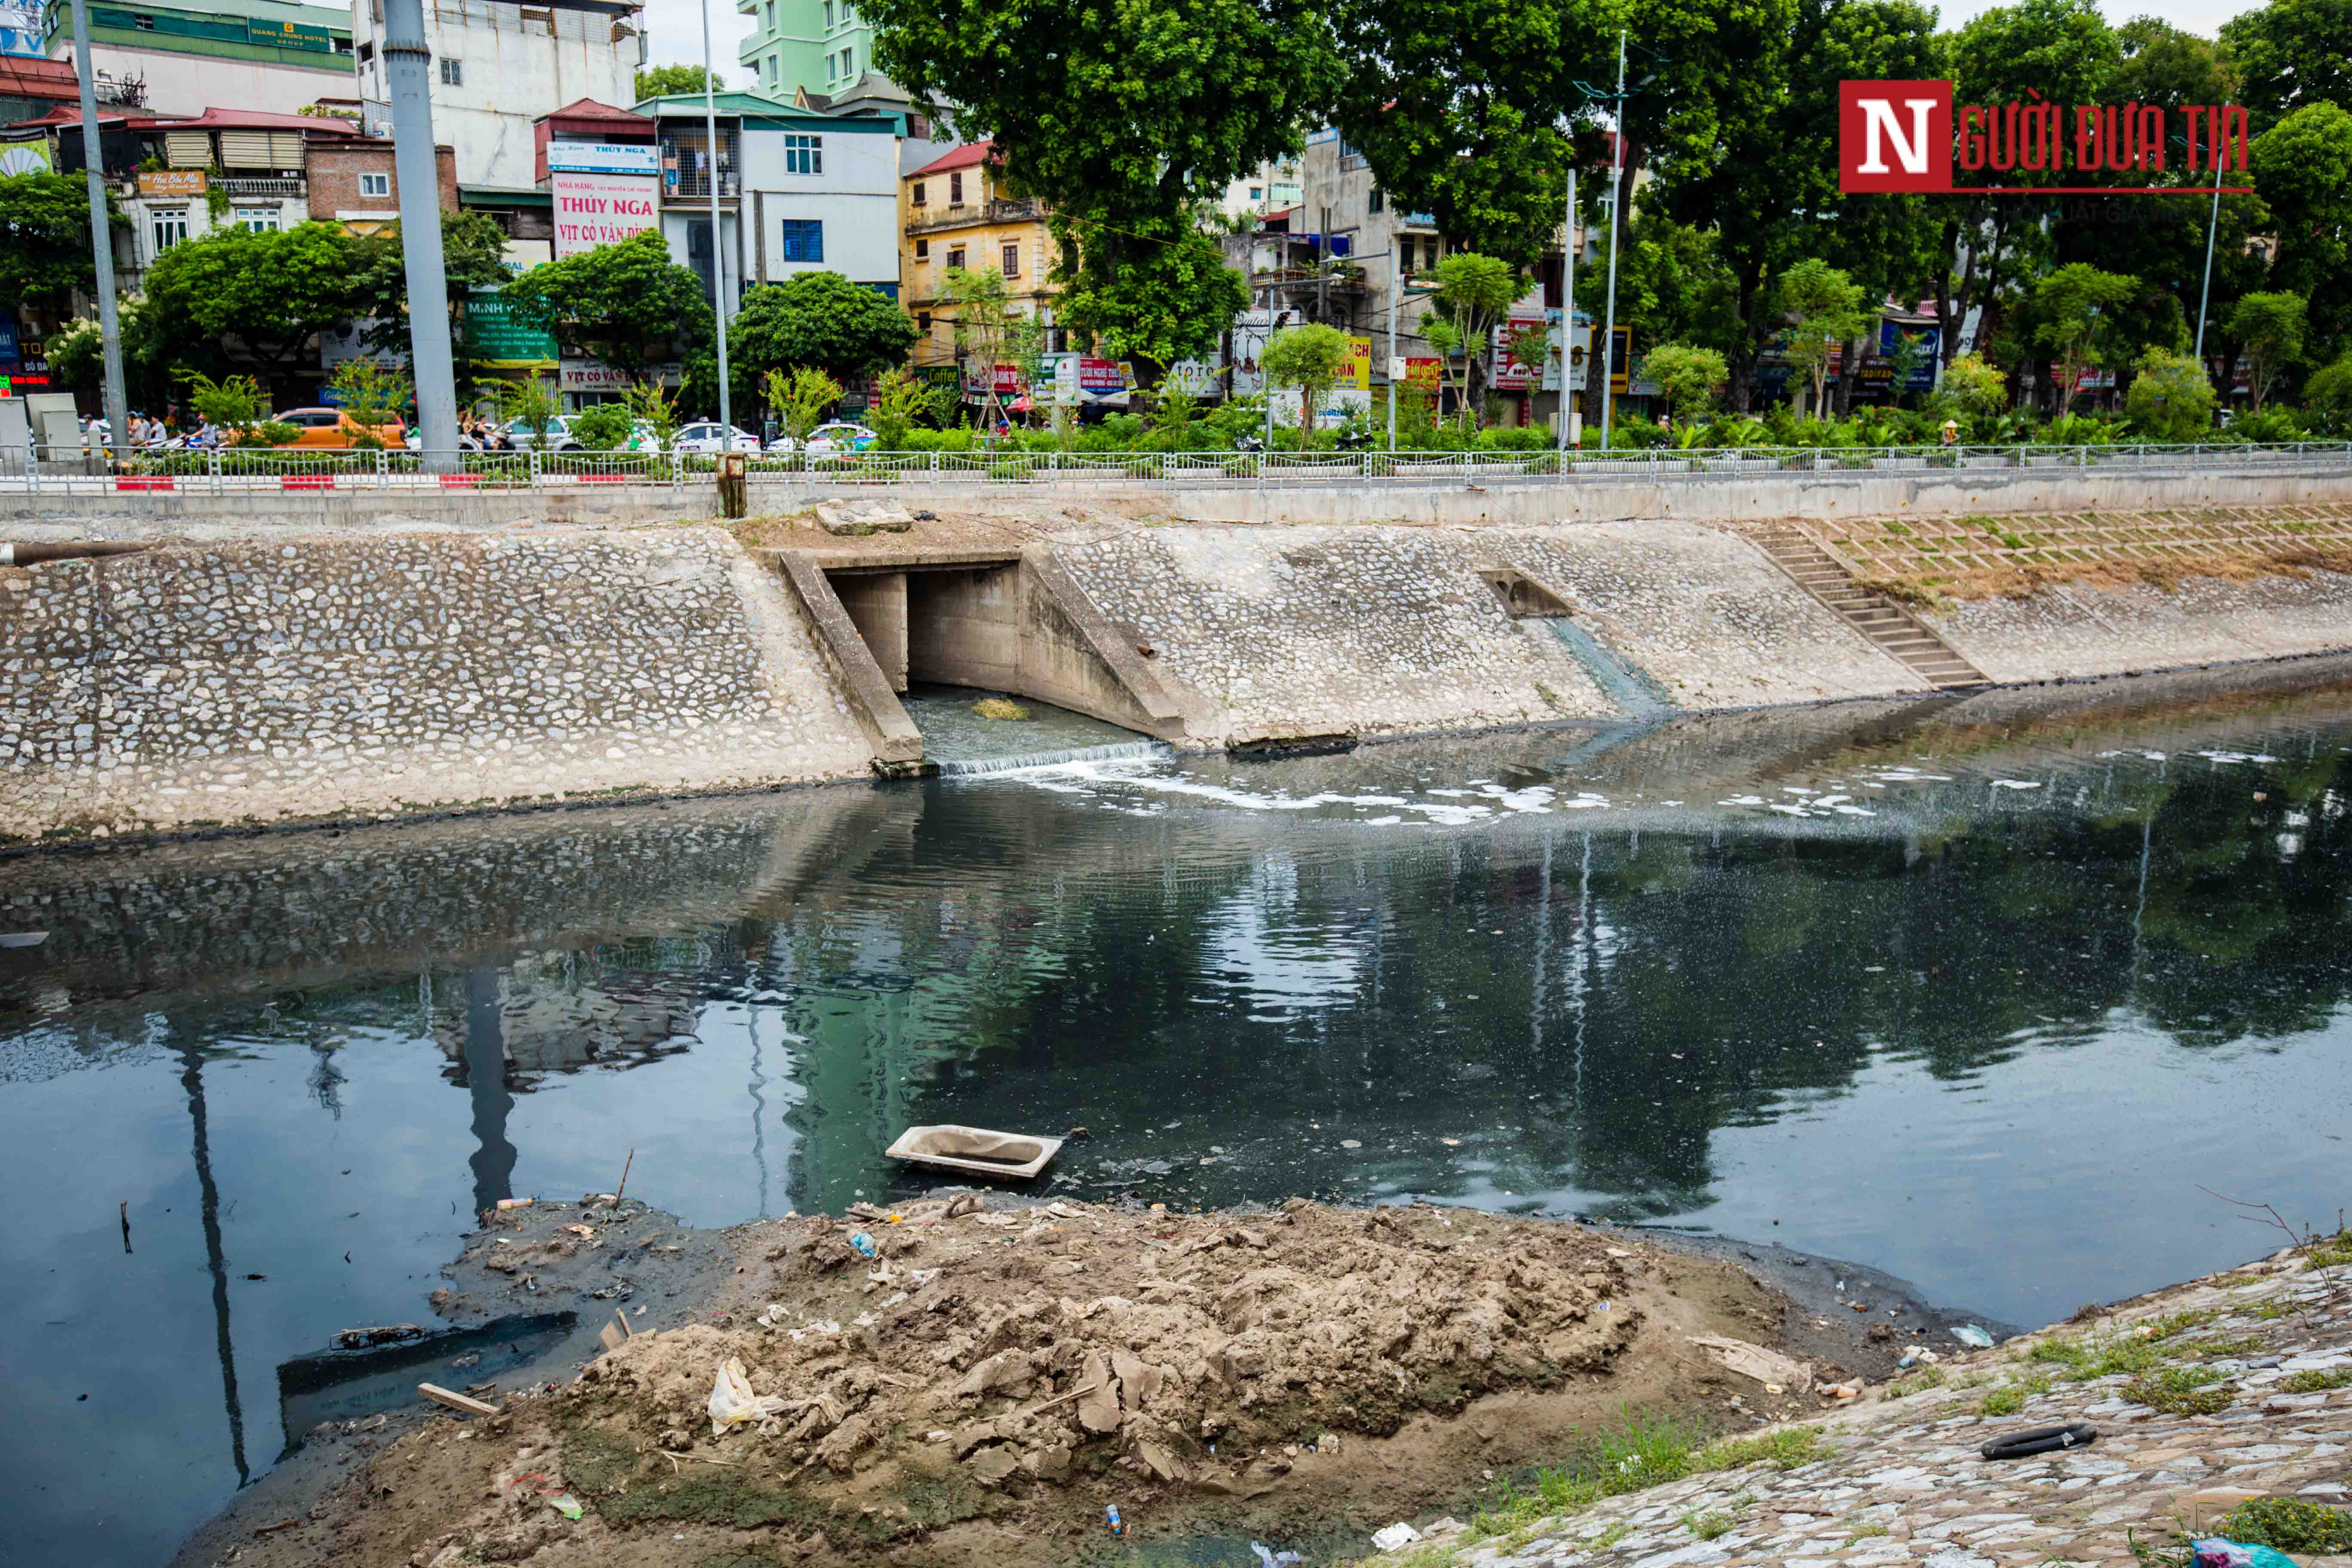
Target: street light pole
x: 718, y: 250
x: 1616, y: 225
x: 1568, y: 308
x: 102, y: 240
x: 407, y: 69
x: 1396, y: 303
x: 2205, y: 292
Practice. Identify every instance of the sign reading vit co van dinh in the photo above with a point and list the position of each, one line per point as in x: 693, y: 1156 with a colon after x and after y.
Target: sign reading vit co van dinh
x: 1908, y: 136
x: 599, y: 209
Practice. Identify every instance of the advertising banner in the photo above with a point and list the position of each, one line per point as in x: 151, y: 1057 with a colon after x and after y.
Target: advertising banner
x: 495, y: 336
x: 599, y: 209
x: 604, y: 157
x: 169, y: 182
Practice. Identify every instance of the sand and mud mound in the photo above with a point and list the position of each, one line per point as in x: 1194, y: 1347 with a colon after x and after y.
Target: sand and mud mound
x: 986, y: 1383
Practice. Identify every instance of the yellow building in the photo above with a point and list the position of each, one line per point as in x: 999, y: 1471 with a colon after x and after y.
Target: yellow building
x: 953, y: 211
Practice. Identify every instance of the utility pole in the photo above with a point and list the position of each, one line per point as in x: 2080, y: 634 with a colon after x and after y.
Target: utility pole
x: 1396, y: 305
x: 1616, y: 222
x: 718, y: 250
x: 2205, y: 291
x: 408, y: 75
x: 101, y: 242
x: 1566, y: 312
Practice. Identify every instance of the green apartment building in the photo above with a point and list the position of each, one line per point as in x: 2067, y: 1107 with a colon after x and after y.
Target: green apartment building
x: 276, y: 55
x: 824, y: 45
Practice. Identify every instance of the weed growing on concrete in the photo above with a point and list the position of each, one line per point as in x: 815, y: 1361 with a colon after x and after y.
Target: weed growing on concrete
x: 1862, y: 1532
x: 1785, y: 1450
x: 2172, y: 1324
x: 1635, y: 1457
x: 2272, y: 1311
x: 2214, y: 1350
x: 2010, y: 1397
x: 1708, y: 1526
x: 999, y: 707
x: 2317, y: 1382
x: 2290, y: 1524
x: 1610, y: 1536
x: 2331, y: 1252
x: 2181, y: 1390
x: 1918, y: 1382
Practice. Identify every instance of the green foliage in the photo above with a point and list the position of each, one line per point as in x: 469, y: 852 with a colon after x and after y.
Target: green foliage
x: 985, y: 323
x: 235, y: 297
x: 45, y: 249
x: 2317, y: 1382
x: 1124, y: 120
x: 2328, y: 394
x: 473, y: 256
x: 801, y: 398
x: 664, y: 81
x: 1975, y: 387
x: 620, y: 303
x: 1918, y: 1382
x: 1688, y: 376
x: 2170, y: 399
x: 2180, y: 1391
x: 602, y: 426
x: 234, y: 406
x: 901, y: 398
x: 821, y: 319
x: 2289, y: 1524
x: 1309, y: 358
x: 2303, y: 167
x: 2292, y: 53
x: 1473, y: 292
x: 2074, y: 317
x: 1824, y: 310
x: 371, y: 395
x: 531, y: 400
x: 651, y: 402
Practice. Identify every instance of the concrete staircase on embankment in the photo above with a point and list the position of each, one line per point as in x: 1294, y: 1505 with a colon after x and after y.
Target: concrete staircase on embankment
x: 1886, y: 624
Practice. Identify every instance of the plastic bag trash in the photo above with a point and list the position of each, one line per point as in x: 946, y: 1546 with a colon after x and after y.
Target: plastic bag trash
x: 1396, y: 1537
x: 1271, y: 1558
x: 565, y: 1504
x: 865, y: 1244
x: 733, y: 1403
x: 1973, y: 1337
x: 2215, y: 1552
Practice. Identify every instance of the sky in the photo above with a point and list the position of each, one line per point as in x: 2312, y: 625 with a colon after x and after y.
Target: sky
x: 676, y: 25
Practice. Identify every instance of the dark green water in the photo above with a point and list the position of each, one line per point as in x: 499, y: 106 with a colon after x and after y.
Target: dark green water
x: 1981, y: 995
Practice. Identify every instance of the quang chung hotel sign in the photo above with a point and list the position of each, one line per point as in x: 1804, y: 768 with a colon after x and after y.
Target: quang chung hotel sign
x: 1907, y: 136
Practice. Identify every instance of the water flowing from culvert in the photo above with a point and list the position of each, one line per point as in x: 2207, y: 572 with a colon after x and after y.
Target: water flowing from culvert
x: 1944, y: 988
x: 1123, y: 751
x: 1623, y: 681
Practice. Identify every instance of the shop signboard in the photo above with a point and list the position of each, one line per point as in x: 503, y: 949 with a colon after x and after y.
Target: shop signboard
x: 599, y: 209
x: 496, y: 337
x: 172, y: 184
x: 604, y: 158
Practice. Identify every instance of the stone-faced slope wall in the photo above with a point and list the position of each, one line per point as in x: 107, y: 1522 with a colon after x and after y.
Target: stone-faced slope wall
x: 272, y: 681
x: 1305, y: 631
x: 1314, y: 631
x: 2077, y: 629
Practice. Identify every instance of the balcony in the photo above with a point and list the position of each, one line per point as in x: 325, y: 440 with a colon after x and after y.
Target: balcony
x: 237, y: 185
x: 696, y: 188
x: 964, y: 213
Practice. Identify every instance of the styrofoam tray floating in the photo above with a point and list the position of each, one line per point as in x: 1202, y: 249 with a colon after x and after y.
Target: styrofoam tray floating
x: 978, y: 1150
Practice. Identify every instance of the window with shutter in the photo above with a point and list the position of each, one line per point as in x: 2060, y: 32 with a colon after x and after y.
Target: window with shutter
x: 285, y: 149
x: 245, y: 150
x: 187, y: 149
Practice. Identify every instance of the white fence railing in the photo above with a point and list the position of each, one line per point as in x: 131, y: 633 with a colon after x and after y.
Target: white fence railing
x: 232, y: 472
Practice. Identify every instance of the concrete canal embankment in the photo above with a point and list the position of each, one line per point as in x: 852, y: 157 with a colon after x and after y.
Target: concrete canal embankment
x: 196, y: 684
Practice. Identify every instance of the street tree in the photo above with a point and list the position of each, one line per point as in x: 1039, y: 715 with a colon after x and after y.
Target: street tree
x: 473, y: 256
x: 820, y: 320
x: 240, y: 299
x: 985, y: 326
x: 1310, y: 358
x: 2327, y: 396
x: 2073, y: 316
x: 2303, y: 168
x: 624, y: 303
x: 1473, y: 292
x: 1974, y: 385
x: 2291, y: 54
x: 2269, y: 327
x: 1823, y: 309
x: 801, y: 397
x: 664, y: 82
x: 1123, y: 118
x: 2169, y: 398
x: 44, y: 251
x: 1688, y: 376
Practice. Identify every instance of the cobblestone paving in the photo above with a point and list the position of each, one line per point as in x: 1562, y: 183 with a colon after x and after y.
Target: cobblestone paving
x: 1929, y: 547
x: 1903, y: 1481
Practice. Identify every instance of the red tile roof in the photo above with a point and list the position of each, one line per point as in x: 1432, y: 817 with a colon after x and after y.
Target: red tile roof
x: 589, y: 109
x: 261, y: 120
x: 23, y: 75
x: 964, y: 157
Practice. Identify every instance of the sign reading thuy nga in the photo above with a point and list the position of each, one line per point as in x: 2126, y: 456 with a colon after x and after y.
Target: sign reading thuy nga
x: 1908, y: 136
x: 598, y: 209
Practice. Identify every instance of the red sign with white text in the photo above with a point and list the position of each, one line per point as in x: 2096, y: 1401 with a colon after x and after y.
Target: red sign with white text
x: 599, y: 209
x: 1908, y: 136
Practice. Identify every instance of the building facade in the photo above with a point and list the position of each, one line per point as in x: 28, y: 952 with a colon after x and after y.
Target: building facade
x: 954, y: 213
x: 824, y: 45
x: 500, y: 67
x: 276, y: 56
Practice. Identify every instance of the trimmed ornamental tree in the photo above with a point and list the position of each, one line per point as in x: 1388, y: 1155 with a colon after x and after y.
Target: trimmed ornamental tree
x: 1824, y: 309
x: 2171, y: 398
x: 1688, y: 376
x: 2269, y: 327
x: 2075, y: 312
x: 2327, y: 396
x: 1309, y: 358
x: 620, y: 303
x: 819, y: 319
x: 801, y: 397
x: 1472, y: 293
x: 236, y: 299
x: 1975, y: 386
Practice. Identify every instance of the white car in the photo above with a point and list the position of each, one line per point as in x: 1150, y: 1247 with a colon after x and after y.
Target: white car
x: 840, y: 437
x: 559, y: 435
x: 703, y: 439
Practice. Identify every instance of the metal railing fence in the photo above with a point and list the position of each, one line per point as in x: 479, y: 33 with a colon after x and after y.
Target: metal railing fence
x: 235, y: 470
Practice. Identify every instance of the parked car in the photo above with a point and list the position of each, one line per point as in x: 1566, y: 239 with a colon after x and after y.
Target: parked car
x: 332, y: 429
x: 702, y: 437
x: 839, y: 437
x: 558, y: 439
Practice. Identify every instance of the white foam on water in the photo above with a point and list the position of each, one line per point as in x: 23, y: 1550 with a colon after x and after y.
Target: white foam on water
x: 2236, y: 757
x: 2016, y: 784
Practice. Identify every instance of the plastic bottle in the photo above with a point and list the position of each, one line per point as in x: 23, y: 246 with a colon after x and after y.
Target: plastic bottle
x: 1118, y: 1525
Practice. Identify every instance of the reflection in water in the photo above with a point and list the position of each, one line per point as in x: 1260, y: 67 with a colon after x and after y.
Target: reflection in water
x: 1945, y: 989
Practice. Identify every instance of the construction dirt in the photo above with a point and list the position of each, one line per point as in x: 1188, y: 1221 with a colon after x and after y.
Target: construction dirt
x: 986, y: 1383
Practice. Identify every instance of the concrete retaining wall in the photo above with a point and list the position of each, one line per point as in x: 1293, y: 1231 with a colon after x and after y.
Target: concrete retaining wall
x: 260, y: 682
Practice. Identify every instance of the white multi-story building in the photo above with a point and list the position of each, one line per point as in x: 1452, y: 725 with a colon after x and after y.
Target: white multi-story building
x: 497, y: 66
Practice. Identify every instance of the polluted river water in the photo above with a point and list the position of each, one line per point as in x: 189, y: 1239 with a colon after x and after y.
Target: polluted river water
x: 1994, y: 996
